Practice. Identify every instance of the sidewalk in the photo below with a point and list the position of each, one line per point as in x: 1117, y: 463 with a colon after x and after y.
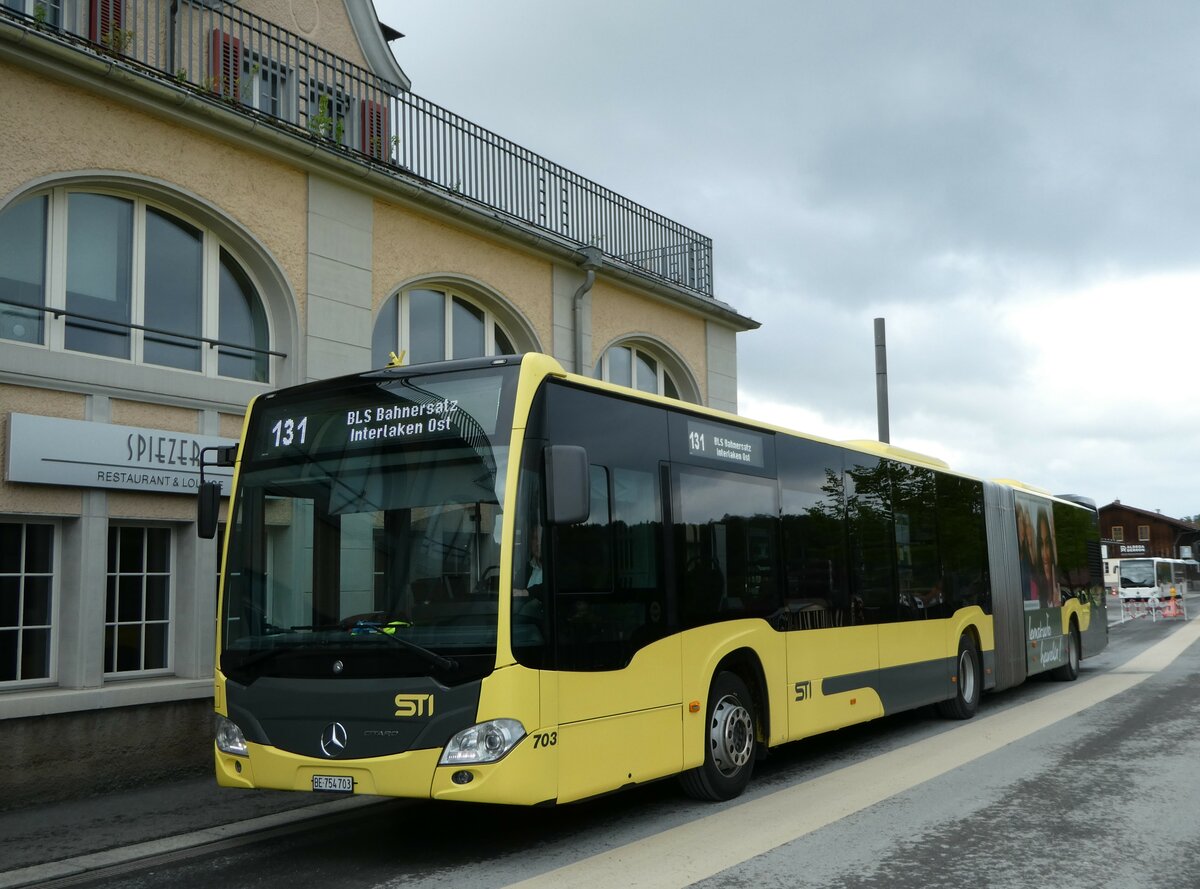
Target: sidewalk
x: 37, y: 835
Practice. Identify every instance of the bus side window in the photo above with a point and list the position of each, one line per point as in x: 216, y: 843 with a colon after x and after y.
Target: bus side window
x: 584, y: 551
x: 607, y: 574
x: 726, y: 534
x: 608, y: 595
x: 919, y: 568
x: 962, y: 543
x: 814, y: 535
x: 872, y: 542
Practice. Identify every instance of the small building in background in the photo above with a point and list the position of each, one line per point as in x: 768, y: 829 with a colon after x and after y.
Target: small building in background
x: 1132, y: 533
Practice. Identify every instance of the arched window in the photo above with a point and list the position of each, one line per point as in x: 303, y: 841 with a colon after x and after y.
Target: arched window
x: 436, y: 324
x: 633, y: 365
x: 114, y: 275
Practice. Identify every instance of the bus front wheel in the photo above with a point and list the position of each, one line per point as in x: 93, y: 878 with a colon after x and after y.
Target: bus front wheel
x: 968, y: 683
x: 729, y: 742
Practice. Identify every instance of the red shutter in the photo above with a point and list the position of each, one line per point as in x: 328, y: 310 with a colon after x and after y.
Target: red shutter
x: 225, y: 64
x: 374, y: 130
x: 105, y: 17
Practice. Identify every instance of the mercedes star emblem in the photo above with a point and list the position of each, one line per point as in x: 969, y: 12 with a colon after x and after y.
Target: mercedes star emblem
x: 333, y: 739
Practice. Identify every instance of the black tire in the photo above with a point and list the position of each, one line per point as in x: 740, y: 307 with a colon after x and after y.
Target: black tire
x: 729, y: 743
x: 968, y: 686
x: 1069, y: 671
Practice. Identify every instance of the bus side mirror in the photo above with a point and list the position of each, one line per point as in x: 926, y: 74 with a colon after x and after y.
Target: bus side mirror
x: 208, y: 507
x: 568, y: 488
x: 208, y: 497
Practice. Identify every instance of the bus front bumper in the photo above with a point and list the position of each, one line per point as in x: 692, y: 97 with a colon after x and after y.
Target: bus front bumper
x: 526, y: 776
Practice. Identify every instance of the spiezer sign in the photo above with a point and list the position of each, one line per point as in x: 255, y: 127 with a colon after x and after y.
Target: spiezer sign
x: 55, y: 451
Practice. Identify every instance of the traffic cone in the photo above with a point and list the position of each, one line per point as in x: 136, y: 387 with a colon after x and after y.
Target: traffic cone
x: 1172, y: 609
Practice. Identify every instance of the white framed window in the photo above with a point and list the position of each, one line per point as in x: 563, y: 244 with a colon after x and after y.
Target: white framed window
x: 330, y: 112
x: 436, y: 324
x: 56, y: 13
x: 267, y: 85
x: 28, y: 603
x: 139, y: 600
x: 1118, y: 533
x: 1143, y: 533
x: 633, y: 365
x: 127, y: 279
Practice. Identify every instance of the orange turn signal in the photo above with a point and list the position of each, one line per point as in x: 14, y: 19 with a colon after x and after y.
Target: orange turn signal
x: 694, y: 707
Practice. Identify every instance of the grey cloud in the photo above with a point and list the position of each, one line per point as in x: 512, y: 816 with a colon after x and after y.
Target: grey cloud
x: 926, y: 161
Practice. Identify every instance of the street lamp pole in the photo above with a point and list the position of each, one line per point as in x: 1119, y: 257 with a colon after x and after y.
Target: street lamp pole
x: 881, y: 387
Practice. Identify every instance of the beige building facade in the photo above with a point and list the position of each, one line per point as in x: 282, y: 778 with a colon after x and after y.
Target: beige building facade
x: 203, y: 202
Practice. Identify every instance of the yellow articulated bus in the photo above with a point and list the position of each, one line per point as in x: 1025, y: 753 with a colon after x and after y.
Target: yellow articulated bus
x: 496, y: 581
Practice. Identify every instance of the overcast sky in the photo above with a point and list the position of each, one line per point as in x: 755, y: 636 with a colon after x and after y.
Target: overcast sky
x: 1015, y: 187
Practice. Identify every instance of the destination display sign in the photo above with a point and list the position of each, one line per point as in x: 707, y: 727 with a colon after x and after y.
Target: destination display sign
x: 399, y: 412
x: 728, y: 444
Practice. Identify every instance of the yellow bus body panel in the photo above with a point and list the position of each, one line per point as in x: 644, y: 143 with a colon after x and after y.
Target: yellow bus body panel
x: 618, y: 727
x: 405, y: 774
x: 913, y: 641
x: 604, y: 754
x: 651, y: 680
x: 815, y: 655
x: 703, y: 650
x: 511, y: 692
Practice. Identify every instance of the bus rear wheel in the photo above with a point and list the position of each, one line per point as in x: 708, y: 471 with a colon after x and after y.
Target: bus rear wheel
x: 1069, y: 671
x: 729, y: 742
x: 968, y: 684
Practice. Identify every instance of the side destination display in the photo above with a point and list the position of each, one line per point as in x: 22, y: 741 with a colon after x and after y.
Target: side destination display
x: 729, y: 444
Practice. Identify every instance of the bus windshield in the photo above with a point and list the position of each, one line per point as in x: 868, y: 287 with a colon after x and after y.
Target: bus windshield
x: 366, y: 531
x: 1137, y: 573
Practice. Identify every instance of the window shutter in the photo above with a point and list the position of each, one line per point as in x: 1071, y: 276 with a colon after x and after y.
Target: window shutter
x: 225, y: 64
x: 104, y: 17
x: 374, y: 129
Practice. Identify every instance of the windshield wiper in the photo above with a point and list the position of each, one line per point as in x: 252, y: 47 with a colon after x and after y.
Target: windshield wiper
x: 318, y: 628
x: 442, y: 663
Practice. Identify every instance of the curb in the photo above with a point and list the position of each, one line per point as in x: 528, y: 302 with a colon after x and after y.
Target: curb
x: 83, y: 864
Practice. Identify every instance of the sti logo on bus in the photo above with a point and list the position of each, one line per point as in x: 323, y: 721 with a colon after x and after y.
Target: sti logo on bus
x: 803, y: 690
x: 414, y: 705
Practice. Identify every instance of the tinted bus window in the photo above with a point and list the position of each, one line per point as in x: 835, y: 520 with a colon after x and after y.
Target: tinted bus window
x: 727, y: 528
x: 918, y: 566
x: 1077, y: 538
x: 962, y: 543
x: 872, y: 543
x: 590, y: 545
x: 814, y: 535
x: 608, y: 595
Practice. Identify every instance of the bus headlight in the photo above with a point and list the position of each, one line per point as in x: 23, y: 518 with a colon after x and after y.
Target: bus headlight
x: 230, y: 738
x: 485, y: 742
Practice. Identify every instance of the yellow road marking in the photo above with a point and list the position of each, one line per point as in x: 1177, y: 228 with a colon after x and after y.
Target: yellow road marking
x: 700, y: 849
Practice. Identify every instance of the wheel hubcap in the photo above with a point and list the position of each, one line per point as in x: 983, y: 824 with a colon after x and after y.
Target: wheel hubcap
x: 966, y: 676
x: 731, y: 735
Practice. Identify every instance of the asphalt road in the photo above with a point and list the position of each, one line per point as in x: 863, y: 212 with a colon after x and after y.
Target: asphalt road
x: 1085, y: 784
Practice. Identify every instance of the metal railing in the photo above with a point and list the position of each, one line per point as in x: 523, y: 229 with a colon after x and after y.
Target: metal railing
x: 260, y: 68
x: 110, y: 325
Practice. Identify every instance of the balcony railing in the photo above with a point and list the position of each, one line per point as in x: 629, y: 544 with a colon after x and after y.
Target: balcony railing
x: 259, y: 68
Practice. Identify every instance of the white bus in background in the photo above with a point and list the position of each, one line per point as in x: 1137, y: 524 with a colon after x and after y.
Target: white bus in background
x: 1157, y: 578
